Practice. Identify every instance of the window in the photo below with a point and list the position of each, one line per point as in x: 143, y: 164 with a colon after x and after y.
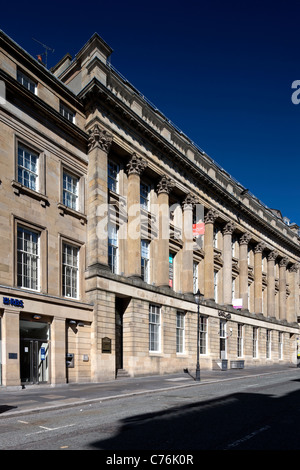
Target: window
x: 113, y: 173
x: 70, y: 190
x: 180, y: 323
x: 145, y: 260
x: 27, y: 167
x: 27, y: 259
x: 268, y: 344
x: 113, y: 248
x: 70, y: 271
x: 154, y: 328
x: 144, y: 196
x: 255, y: 342
x: 171, y: 270
x: 216, y: 285
x: 195, y: 277
x: 203, y: 335
x: 280, y: 345
x: 26, y: 82
x: 67, y: 112
x: 240, y: 341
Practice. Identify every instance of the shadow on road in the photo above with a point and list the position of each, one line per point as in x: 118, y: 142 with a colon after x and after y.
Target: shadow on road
x: 239, y: 421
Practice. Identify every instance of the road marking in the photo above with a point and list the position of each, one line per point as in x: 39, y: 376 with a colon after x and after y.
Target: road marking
x: 248, y: 437
x: 45, y: 429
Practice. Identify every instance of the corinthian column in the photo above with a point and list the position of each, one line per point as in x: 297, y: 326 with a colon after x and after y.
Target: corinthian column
x: 259, y: 248
x: 163, y: 189
x: 243, y: 263
x: 135, y: 167
x: 227, y: 262
x: 294, y: 297
x: 282, y: 288
x: 97, y: 202
x: 187, y: 254
x: 209, y: 220
x: 271, y: 283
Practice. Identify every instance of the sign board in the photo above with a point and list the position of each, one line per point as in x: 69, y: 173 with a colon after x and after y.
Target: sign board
x: 14, y: 302
x: 199, y: 229
x: 237, y: 303
x: 106, y: 345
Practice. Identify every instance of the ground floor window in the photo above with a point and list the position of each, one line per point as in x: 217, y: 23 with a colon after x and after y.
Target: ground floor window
x: 154, y: 328
x: 255, y: 342
x: 180, y: 323
x: 240, y: 341
x: 203, y: 335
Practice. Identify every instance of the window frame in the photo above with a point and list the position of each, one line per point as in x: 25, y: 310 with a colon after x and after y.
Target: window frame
x: 114, y: 267
x: 154, y: 328
x: 111, y: 178
x: 37, y: 256
x: 203, y: 327
x: 180, y: 332
x: 22, y: 76
x: 145, y: 261
x: 67, y: 112
x: 76, y: 269
x: 73, y: 176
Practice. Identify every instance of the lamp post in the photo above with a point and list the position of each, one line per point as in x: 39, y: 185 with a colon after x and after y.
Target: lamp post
x: 197, y: 297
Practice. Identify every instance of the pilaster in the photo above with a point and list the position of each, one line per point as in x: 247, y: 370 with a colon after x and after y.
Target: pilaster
x: 294, y: 296
x: 10, y: 348
x: 97, y: 198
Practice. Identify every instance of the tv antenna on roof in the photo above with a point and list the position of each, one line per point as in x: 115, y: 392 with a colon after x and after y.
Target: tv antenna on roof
x: 47, y: 48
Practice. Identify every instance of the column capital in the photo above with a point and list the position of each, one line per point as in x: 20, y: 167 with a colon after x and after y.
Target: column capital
x: 189, y: 202
x: 229, y: 228
x: 165, y: 185
x: 136, y: 165
x: 99, y: 138
x: 259, y: 248
x: 272, y: 256
x: 283, y: 262
x: 294, y: 268
x: 245, y: 238
x: 211, y: 216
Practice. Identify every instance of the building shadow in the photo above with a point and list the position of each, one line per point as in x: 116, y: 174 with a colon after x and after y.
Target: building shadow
x: 4, y: 408
x: 240, y: 421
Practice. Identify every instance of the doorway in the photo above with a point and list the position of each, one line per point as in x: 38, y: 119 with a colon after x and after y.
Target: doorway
x: 121, y: 304
x: 223, y: 352
x: 34, y: 352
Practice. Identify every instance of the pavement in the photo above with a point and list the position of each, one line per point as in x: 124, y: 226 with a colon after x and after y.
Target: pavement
x: 15, y: 401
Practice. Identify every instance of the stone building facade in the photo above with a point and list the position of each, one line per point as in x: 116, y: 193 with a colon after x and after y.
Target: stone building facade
x: 111, y: 219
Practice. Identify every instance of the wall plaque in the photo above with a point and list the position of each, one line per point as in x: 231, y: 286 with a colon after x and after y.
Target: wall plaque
x: 106, y: 345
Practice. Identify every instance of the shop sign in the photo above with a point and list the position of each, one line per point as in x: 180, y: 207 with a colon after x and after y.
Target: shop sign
x: 13, y: 302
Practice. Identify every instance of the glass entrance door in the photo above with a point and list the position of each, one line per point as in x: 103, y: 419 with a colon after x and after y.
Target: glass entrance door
x: 34, y: 361
x: 34, y: 352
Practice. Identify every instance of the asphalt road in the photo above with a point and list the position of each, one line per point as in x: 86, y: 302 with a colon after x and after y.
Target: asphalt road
x: 253, y: 413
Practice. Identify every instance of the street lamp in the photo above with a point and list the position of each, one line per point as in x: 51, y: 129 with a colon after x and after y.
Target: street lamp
x: 197, y: 297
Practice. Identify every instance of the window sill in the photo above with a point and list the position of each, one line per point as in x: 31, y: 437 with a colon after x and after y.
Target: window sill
x: 67, y: 210
x: 21, y: 189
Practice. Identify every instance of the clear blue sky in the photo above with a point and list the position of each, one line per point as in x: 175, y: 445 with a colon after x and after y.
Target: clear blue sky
x: 221, y: 71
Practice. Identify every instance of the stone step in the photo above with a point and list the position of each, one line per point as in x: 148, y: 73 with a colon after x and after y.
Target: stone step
x: 122, y: 373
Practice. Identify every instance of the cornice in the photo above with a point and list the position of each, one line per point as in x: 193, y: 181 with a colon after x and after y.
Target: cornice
x: 19, y: 90
x: 96, y: 91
